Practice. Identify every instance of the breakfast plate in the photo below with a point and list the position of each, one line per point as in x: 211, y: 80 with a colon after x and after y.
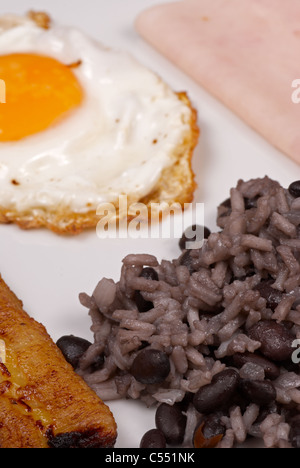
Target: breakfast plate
x: 48, y: 271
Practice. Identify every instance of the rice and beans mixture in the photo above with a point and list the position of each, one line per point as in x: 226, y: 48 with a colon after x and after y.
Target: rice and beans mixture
x: 209, y: 338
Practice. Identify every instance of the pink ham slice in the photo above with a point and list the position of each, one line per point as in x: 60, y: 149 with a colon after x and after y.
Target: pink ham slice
x: 245, y: 52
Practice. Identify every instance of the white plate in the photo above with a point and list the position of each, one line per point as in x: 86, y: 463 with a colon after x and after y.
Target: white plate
x: 47, y: 271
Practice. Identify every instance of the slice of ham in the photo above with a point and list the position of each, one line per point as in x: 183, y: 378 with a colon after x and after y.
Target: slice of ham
x: 245, y: 52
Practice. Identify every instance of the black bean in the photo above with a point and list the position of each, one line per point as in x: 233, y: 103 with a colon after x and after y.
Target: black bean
x: 224, y: 210
x: 209, y: 433
x: 207, y: 314
x: 276, y: 340
x: 213, y: 426
x: 73, y: 348
x: 150, y: 366
x: 272, y: 371
x: 187, y: 400
x: 190, y: 235
x: 250, y: 270
x: 218, y: 393
x: 149, y: 273
x: 153, y: 439
x: 98, y: 362
x: 226, y: 203
x: 199, y: 441
x: 272, y: 296
x: 143, y: 345
x: 143, y: 305
x: 172, y: 422
x: 294, y: 189
x: 207, y: 232
x: 291, y: 366
x: 187, y: 261
x: 260, y: 392
x: 251, y: 202
x: 273, y: 408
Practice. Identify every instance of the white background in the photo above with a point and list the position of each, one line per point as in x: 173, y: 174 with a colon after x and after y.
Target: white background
x: 47, y: 271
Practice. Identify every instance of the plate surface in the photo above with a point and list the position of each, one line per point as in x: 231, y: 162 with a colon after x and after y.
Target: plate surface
x: 48, y: 272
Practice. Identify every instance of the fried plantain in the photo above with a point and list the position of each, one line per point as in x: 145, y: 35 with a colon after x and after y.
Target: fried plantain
x: 43, y: 402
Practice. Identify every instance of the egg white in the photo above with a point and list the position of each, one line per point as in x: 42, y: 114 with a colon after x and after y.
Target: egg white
x: 118, y: 141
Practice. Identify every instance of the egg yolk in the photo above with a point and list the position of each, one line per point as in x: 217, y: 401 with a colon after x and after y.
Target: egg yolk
x: 40, y: 92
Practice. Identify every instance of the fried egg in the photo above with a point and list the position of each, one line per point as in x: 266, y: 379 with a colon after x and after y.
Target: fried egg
x: 81, y: 125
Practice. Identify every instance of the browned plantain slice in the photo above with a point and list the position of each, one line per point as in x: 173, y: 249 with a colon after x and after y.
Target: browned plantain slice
x: 43, y: 403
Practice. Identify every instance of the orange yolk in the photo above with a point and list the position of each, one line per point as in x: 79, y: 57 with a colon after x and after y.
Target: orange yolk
x: 40, y: 92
